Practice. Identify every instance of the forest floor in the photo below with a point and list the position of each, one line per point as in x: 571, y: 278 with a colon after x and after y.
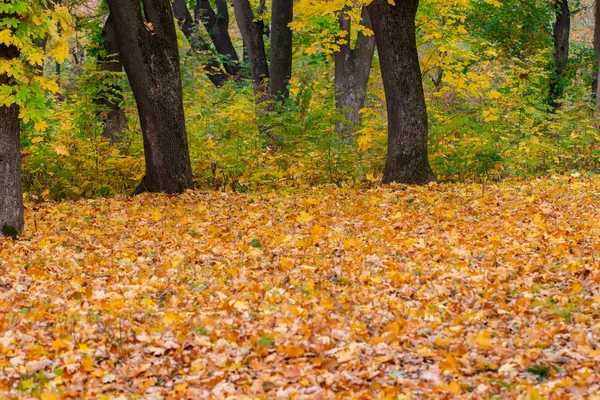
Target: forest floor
x: 439, y: 291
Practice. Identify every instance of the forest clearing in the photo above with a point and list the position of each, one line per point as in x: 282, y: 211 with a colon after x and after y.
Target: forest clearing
x: 395, y: 292
x: 299, y: 199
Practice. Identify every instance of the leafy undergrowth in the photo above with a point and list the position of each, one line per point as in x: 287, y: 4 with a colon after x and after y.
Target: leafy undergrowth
x: 437, y: 291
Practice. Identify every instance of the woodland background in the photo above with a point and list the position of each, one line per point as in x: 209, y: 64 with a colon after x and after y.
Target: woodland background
x: 487, y: 67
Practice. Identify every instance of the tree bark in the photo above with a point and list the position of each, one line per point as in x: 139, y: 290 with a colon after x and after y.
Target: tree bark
x: 252, y: 32
x: 11, y: 193
x: 115, y: 121
x: 561, y: 30
x: 394, y: 28
x: 280, y: 70
x: 217, y: 26
x: 189, y: 27
x: 352, y: 70
x: 148, y: 50
x: 596, y: 87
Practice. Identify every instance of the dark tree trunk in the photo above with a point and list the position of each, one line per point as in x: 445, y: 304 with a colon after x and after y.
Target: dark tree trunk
x: 148, y: 50
x: 280, y: 70
x: 394, y: 28
x: 252, y: 32
x: 11, y: 194
x: 596, y: 87
x: 561, y: 29
x: 190, y: 30
x: 352, y: 69
x: 217, y: 26
x: 115, y: 121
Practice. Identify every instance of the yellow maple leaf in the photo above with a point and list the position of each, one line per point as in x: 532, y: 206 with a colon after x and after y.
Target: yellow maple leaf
x: 156, y: 215
x: 304, y: 217
x: 39, y: 126
x: 59, y: 344
x: 484, y: 340
x: 87, y: 363
x: 449, y: 364
x: 61, y: 150
x: 50, y: 396
x: 454, y: 388
x: 169, y: 318
x: 61, y: 52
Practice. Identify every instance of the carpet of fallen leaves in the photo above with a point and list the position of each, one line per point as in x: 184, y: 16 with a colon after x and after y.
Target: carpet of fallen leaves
x: 396, y: 292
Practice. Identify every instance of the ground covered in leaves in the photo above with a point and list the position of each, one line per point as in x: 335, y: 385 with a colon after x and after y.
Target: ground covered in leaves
x: 437, y: 291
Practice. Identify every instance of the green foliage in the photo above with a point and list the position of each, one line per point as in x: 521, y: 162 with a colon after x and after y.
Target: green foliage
x: 72, y: 159
x: 229, y: 153
x: 486, y: 91
x: 516, y: 30
x: 541, y: 371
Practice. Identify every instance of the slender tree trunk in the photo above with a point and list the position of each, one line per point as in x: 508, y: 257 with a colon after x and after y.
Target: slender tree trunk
x: 394, y: 28
x: 252, y: 32
x: 561, y: 30
x: 148, y: 50
x: 189, y: 27
x: 597, y: 48
x: 115, y: 121
x: 11, y: 194
x: 352, y: 69
x: 217, y: 26
x: 280, y: 70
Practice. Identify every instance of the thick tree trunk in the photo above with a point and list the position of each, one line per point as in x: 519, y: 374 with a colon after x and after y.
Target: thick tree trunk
x: 561, y: 30
x: 394, y: 28
x: 115, y: 121
x: 217, y: 26
x: 189, y: 27
x: 280, y: 70
x: 11, y: 194
x: 148, y: 50
x: 352, y: 69
x: 252, y: 32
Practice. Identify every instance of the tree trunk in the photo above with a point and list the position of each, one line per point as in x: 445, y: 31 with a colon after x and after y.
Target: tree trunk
x: 115, y: 121
x: 394, y: 28
x: 280, y: 70
x: 252, y: 33
x: 189, y: 27
x: 217, y: 26
x: 596, y: 87
x: 561, y: 29
x: 11, y: 194
x: 352, y: 69
x: 148, y: 50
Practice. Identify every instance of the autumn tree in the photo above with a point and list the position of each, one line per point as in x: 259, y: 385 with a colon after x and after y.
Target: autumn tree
x: 395, y: 35
x: 597, y: 50
x: 278, y: 71
x: 560, y: 33
x: 11, y: 198
x: 352, y: 69
x: 189, y: 26
x: 217, y: 26
x: 110, y: 94
x: 252, y: 30
x: 147, y: 45
x: 280, y: 67
x: 23, y: 24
